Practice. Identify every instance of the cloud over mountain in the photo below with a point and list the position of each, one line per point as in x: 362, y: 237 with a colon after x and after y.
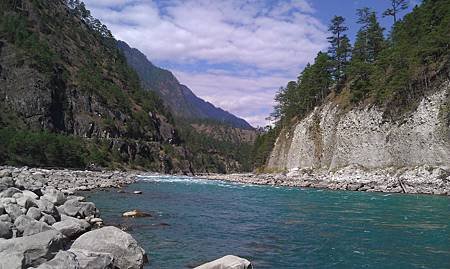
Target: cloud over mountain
x: 241, y: 51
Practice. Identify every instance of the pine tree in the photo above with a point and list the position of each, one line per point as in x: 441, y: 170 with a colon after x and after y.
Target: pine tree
x: 396, y: 7
x: 339, y: 49
x: 369, y: 39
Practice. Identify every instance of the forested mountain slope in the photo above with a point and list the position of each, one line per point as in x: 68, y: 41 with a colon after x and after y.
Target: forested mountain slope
x: 381, y: 102
x: 182, y: 102
x: 68, y: 98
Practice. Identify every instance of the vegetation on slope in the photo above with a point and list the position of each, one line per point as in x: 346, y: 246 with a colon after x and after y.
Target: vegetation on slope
x: 392, y: 72
x: 72, y: 53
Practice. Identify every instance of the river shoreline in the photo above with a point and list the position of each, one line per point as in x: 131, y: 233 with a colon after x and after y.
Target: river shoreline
x: 410, y: 180
x: 46, y: 223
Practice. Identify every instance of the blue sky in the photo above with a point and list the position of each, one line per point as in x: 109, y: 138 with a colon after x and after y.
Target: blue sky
x: 233, y: 53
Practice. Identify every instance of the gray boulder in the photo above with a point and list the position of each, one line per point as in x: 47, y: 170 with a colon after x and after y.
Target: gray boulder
x: 26, y: 202
x: 49, y: 208
x: 30, y: 251
x: 54, y: 196
x: 14, y: 211
x: 75, y: 208
x: 6, y: 182
x: 62, y: 260
x: 72, y: 227
x: 227, y: 262
x: 34, y: 213
x: 9, y: 192
x: 30, y: 194
x: 94, y: 260
x: 5, y: 218
x: 126, y: 252
x: 79, y: 260
x: 50, y: 220
x: 5, y: 230
x: 27, y: 226
x: 5, y: 173
x: 28, y: 184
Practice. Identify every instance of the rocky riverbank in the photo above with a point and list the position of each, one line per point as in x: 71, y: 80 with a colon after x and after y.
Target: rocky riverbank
x: 419, y: 179
x: 43, y: 224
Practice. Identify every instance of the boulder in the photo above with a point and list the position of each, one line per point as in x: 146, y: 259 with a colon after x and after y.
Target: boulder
x: 5, y: 218
x: 93, y: 260
x: 34, y: 213
x: 96, y: 221
x: 5, y: 173
x: 6, y: 182
x: 30, y: 194
x: 27, y: 226
x: 30, y: 251
x: 227, y: 262
x: 8, y: 200
x: 26, y: 202
x: 75, y: 208
x: 9, y: 192
x: 14, y: 211
x: 50, y: 220
x: 79, y: 198
x: 72, y: 227
x: 28, y: 184
x: 49, y: 208
x: 135, y: 214
x: 124, y: 249
x: 5, y: 230
x: 55, y: 196
x: 62, y: 260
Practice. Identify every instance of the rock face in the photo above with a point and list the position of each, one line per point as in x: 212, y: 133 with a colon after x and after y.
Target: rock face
x: 332, y: 138
x: 125, y: 250
x: 227, y: 262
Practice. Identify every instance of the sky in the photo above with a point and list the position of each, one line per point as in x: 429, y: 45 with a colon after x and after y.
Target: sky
x: 235, y: 54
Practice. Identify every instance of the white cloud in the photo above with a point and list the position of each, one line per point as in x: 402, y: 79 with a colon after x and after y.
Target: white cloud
x: 264, y: 37
x: 250, y: 97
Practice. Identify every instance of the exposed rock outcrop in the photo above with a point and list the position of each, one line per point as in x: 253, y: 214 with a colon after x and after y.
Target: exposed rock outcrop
x: 332, y: 137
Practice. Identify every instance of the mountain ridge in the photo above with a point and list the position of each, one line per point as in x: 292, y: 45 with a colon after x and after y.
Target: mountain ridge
x: 181, y: 100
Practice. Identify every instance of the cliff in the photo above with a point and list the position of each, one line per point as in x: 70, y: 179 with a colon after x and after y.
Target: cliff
x: 332, y: 137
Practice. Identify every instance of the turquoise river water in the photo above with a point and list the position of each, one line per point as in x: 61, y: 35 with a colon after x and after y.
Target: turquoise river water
x: 195, y: 220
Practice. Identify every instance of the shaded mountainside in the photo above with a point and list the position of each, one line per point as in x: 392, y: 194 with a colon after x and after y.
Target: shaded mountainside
x: 182, y: 102
x: 386, y: 105
x: 68, y: 98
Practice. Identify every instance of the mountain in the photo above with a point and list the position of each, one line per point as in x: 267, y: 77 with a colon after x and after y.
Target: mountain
x: 182, y: 102
x: 69, y: 99
x: 390, y: 108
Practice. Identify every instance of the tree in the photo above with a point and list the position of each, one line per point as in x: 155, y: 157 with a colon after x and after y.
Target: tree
x: 396, y: 7
x: 369, y: 39
x: 339, y: 49
x: 368, y: 45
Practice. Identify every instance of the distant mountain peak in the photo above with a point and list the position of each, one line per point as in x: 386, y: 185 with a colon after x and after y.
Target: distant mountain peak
x: 182, y: 102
